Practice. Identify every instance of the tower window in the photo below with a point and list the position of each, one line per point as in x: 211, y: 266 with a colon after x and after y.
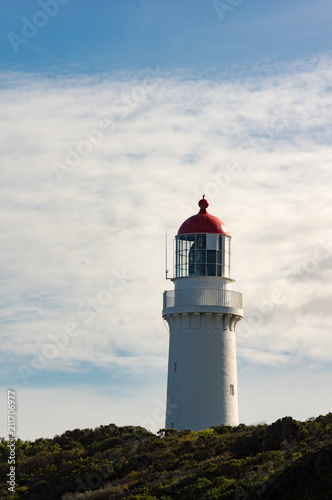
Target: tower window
x: 231, y: 390
x: 202, y: 255
x: 175, y: 367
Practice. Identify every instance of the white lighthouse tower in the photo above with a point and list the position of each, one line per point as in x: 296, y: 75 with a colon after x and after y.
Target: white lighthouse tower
x: 202, y: 312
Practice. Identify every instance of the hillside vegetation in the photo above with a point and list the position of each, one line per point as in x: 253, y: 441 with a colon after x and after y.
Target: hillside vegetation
x: 288, y: 460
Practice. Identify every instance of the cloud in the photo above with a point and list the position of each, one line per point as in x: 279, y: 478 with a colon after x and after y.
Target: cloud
x: 268, y: 394
x: 259, y: 147
x: 73, y: 412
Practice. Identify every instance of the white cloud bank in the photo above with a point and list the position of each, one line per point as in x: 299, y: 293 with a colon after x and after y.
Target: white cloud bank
x: 95, y: 170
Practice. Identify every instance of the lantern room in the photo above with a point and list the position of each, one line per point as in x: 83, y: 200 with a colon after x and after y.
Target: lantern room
x: 202, y: 246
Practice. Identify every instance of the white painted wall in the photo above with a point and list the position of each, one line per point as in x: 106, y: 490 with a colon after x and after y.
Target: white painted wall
x: 201, y: 369
x: 191, y: 282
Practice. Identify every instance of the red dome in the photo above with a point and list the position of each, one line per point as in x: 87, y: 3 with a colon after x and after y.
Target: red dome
x: 203, y: 222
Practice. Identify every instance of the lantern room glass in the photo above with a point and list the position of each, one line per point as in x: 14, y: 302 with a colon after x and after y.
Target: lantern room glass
x: 202, y: 255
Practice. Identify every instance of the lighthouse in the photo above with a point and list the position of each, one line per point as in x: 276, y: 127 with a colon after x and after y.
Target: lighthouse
x: 202, y: 312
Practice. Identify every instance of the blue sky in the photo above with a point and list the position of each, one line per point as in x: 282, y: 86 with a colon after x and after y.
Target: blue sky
x: 115, y: 117
x: 111, y: 35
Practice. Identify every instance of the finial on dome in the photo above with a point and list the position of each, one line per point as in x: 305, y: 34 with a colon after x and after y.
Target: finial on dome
x: 203, y: 204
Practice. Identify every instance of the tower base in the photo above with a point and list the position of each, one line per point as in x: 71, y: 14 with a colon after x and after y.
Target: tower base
x: 202, y: 375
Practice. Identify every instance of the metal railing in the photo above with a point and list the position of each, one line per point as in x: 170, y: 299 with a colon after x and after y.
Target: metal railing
x: 203, y: 297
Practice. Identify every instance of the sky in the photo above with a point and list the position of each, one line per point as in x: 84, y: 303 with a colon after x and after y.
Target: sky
x: 115, y: 118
